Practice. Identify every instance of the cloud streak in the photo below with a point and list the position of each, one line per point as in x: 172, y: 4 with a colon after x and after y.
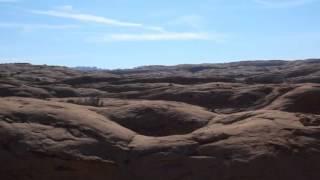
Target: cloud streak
x: 86, y: 18
x: 153, y: 33
x: 166, y: 36
x: 68, y: 13
x: 283, y: 3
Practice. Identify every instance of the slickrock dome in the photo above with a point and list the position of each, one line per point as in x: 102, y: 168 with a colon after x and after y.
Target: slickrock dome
x: 190, y: 122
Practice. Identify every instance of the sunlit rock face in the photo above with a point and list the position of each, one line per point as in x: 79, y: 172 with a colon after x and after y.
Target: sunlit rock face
x: 236, y: 121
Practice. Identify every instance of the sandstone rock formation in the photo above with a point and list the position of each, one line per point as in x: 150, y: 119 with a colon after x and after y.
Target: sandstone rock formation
x: 238, y: 121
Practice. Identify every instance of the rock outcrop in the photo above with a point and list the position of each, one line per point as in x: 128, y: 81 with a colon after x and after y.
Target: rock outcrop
x: 236, y: 121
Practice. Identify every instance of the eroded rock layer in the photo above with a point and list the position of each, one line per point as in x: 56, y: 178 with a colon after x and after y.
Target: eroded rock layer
x: 236, y: 121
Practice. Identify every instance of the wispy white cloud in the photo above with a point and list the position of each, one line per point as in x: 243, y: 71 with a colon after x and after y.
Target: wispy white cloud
x: 28, y: 27
x: 67, y: 12
x: 283, y: 3
x: 86, y: 18
x: 149, y: 33
x: 165, y: 36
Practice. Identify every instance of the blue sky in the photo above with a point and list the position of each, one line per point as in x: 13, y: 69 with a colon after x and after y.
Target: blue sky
x: 129, y: 33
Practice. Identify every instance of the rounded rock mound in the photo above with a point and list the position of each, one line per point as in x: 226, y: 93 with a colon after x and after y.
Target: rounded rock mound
x: 158, y: 118
x: 304, y: 99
